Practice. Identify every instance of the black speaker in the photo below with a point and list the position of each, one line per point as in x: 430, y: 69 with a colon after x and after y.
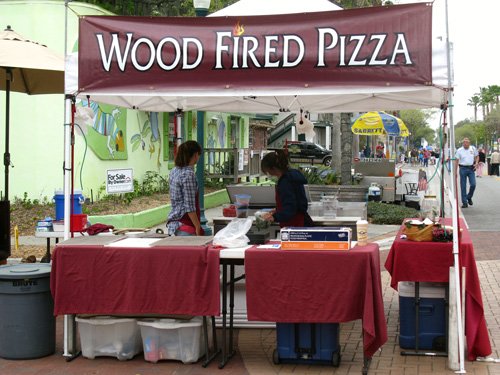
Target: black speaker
x: 4, y: 230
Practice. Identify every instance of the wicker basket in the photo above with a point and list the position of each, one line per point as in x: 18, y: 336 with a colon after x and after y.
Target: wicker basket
x: 415, y: 233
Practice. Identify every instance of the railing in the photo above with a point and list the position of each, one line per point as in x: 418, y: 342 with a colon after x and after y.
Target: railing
x: 232, y: 163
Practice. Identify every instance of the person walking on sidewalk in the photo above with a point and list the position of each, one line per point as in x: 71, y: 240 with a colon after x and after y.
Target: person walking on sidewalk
x: 466, y: 159
x: 495, y: 161
x: 482, y: 162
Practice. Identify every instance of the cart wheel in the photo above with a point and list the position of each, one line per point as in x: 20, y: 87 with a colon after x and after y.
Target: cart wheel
x: 336, y: 359
x: 276, y: 357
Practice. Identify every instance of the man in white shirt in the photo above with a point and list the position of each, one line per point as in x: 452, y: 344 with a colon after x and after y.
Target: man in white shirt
x: 466, y: 159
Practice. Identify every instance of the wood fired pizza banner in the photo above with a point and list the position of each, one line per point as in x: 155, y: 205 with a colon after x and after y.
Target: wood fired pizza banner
x: 381, y: 46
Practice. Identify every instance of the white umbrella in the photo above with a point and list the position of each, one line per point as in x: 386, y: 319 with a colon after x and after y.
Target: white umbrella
x: 31, y: 68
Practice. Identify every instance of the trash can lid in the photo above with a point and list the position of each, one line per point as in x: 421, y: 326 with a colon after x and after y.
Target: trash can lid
x: 21, y: 271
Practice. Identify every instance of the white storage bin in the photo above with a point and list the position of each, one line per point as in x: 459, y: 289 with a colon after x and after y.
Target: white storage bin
x: 171, y: 339
x: 107, y: 336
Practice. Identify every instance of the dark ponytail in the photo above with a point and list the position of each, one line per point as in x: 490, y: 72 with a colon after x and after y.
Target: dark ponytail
x: 186, y: 152
x: 275, y: 160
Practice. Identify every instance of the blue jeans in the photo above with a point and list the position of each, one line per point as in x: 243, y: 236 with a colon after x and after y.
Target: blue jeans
x: 471, y: 175
x: 182, y: 233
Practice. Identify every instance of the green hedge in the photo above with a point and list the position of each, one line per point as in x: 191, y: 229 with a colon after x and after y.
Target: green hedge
x: 385, y: 213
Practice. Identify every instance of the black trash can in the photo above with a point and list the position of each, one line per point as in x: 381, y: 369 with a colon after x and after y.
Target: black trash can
x: 27, y: 323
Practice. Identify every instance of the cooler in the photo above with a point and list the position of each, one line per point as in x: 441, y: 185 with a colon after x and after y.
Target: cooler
x: 78, y: 200
x: 432, y: 316
x: 307, y: 343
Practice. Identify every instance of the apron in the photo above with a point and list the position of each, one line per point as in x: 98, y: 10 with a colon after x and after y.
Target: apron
x: 186, y: 223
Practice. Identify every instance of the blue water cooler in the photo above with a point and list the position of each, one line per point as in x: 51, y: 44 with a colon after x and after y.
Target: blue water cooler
x: 432, y: 315
x: 307, y: 343
x: 78, y: 201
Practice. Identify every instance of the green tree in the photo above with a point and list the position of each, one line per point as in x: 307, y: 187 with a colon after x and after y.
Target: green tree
x: 495, y: 92
x: 474, y: 131
x: 492, y: 123
x: 155, y: 7
x: 474, y: 102
x: 417, y: 122
x: 487, y: 99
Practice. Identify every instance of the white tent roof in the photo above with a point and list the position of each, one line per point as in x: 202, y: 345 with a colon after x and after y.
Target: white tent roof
x: 261, y: 100
x: 262, y: 7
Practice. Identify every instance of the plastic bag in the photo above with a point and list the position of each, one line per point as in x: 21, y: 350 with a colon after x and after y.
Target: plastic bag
x: 233, y: 234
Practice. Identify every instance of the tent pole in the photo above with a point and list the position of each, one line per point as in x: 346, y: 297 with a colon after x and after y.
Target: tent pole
x: 454, y: 200
x: 69, y: 323
x: 200, y: 169
x: 5, y: 241
x: 6, y: 158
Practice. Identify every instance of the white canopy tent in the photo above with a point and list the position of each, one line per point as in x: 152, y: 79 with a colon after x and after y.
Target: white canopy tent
x: 266, y: 7
x: 335, y: 98
x: 339, y: 98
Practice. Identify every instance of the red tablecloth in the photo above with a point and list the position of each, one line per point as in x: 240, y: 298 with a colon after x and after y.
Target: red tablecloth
x: 430, y: 261
x: 159, y: 280
x: 318, y: 287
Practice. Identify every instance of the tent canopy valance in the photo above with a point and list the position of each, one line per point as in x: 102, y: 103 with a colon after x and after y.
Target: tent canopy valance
x: 337, y: 61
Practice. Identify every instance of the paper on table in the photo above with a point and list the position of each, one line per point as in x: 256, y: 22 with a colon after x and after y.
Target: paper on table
x: 133, y: 242
x: 270, y: 246
x: 427, y: 221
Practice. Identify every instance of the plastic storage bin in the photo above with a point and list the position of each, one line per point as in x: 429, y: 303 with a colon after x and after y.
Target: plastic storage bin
x: 432, y: 316
x: 307, y: 343
x: 27, y: 323
x: 171, y: 339
x: 112, y: 337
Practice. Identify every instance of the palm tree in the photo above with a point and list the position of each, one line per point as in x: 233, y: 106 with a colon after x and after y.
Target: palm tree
x: 474, y: 102
x: 486, y: 100
x: 346, y: 136
x: 346, y: 141
x: 495, y: 91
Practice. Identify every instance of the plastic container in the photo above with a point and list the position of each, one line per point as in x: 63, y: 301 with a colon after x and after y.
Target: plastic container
x: 374, y: 192
x: 229, y: 210
x: 362, y: 232
x: 241, y: 211
x: 352, y: 209
x: 432, y: 315
x: 242, y: 199
x: 315, y: 209
x: 330, y: 205
x: 171, y: 339
x: 78, y: 201
x: 308, y: 343
x: 27, y: 323
x: 78, y: 222
x: 112, y: 337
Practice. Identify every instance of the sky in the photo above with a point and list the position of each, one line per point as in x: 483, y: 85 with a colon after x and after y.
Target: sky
x: 474, y: 30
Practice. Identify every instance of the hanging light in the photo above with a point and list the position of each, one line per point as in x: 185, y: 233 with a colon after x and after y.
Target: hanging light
x: 201, y: 7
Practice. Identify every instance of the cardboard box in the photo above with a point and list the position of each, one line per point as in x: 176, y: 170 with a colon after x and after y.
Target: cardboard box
x: 315, y: 238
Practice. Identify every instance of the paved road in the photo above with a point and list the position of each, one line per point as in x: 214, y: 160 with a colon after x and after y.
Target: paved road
x: 484, y: 215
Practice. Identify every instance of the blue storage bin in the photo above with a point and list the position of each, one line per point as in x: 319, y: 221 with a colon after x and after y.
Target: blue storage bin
x: 307, y: 343
x: 432, y: 316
